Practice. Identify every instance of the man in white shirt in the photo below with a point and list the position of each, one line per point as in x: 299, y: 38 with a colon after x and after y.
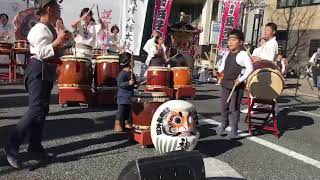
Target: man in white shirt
x: 315, y: 62
x: 6, y: 35
x: 39, y: 78
x: 150, y: 43
x: 6, y: 29
x: 87, y: 33
x: 269, y: 50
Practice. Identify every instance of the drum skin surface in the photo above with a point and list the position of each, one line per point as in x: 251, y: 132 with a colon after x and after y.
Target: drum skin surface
x: 74, y: 70
x: 181, y: 76
x: 265, y: 83
x: 158, y: 76
x: 108, y: 69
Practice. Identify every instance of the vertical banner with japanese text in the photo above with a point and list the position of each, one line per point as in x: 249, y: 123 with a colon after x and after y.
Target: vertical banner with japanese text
x: 133, y: 18
x: 161, y: 15
x: 229, y: 21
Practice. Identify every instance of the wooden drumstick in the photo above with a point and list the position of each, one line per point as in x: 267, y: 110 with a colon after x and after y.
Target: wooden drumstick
x: 232, y: 91
x: 98, y: 13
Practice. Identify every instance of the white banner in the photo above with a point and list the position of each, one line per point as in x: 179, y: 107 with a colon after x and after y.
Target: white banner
x: 134, y: 13
x: 129, y: 15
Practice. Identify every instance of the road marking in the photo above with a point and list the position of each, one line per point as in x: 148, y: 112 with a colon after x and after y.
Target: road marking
x: 270, y: 145
x: 312, y: 114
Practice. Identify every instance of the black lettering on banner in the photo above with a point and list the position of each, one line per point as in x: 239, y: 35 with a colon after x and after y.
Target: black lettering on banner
x: 230, y: 21
x: 231, y: 9
x: 162, y: 14
x: 160, y: 24
x: 163, y: 3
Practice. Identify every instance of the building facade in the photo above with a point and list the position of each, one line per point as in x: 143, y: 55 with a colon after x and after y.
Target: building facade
x: 298, y: 26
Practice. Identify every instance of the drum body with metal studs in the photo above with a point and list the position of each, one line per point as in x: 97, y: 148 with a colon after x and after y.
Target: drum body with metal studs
x: 182, y: 76
x: 158, y: 76
x: 107, y: 68
x: 144, y: 106
x: 75, y: 72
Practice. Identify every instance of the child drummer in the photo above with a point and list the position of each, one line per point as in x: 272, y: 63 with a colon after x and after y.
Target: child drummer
x: 236, y: 66
x: 45, y: 44
x: 126, y: 82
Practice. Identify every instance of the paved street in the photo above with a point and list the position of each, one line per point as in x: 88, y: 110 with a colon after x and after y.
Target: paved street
x: 86, y: 147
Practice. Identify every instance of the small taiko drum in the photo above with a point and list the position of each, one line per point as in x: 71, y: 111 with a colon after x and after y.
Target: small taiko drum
x: 182, y: 76
x: 107, y: 68
x: 22, y: 45
x: 97, y: 52
x: 265, y: 83
x: 144, y: 106
x: 158, y: 76
x: 5, y: 48
x: 75, y: 72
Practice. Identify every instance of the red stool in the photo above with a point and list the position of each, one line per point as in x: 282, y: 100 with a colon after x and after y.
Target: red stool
x: 6, y: 49
x: 270, y: 110
x: 20, y: 47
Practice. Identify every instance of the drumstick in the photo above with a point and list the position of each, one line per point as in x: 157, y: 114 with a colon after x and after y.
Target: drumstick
x: 232, y: 91
x: 98, y: 13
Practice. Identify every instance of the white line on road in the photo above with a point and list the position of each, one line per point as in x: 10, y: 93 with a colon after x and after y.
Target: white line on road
x: 270, y: 145
x: 312, y: 114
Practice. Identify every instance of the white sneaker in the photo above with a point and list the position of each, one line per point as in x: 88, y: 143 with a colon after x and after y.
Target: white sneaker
x: 244, y: 111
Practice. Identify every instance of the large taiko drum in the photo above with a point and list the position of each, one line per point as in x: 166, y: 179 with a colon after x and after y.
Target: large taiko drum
x: 266, y: 81
x: 144, y: 106
x: 75, y: 72
x: 107, y: 68
x: 158, y: 76
x: 182, y: 76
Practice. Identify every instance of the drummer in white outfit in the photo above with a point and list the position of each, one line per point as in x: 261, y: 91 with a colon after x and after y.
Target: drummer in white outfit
x: 87, y: 33
x: 6, y: 35
x: 268, y: 50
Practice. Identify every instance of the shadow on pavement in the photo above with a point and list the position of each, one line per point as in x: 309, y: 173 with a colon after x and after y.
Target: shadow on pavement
x: 288, y: 122
x: 216, y: 147
x: 205, y: 97
x: 224, y: 178
x: 12, y: 91
x: 61, y: 128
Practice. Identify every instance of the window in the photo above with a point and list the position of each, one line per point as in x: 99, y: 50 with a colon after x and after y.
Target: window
x: 293, y: 3
x: 314, y: 44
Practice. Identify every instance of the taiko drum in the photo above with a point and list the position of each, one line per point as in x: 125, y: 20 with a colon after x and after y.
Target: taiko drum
x: 181, y: 76
x: 158, y: 76
x: 75, y: 71
x: 107, y: 68
x: 22, y: 44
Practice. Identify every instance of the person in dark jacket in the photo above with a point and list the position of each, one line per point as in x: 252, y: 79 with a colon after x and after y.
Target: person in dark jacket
x: 126, y: 82
x: 45, y: 45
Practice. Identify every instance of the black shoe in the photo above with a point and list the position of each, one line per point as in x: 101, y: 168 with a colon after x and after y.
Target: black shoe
x: 12, y: 158
x: 39, y: 153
